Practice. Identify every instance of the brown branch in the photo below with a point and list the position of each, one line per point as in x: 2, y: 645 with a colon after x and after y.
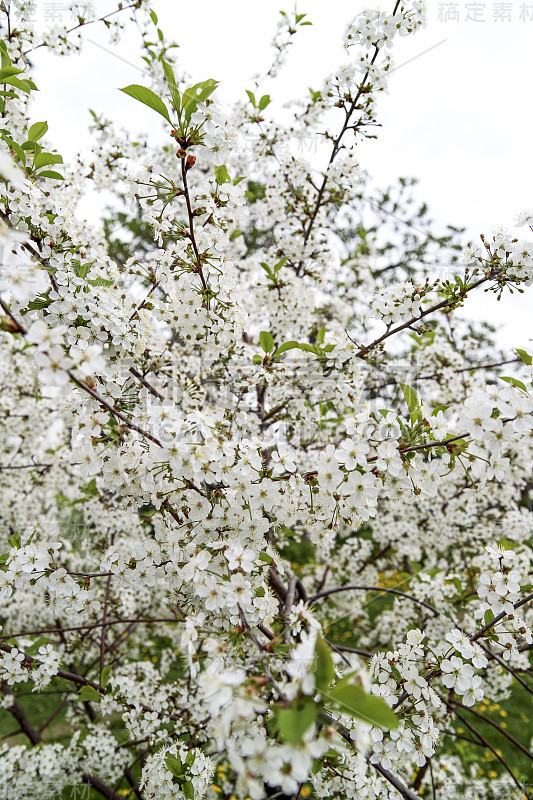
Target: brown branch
x: 145, y: 383
x: 499, y: 617
x: 495, y: 725
x: 116, y: 413
x: 361, y: 353
x: 104, y: 623
x: 135, y: 621
x: 337, y: 143
x: 345, y: 649
x: 373, y: 589
x: 489, y: 746
x: 16, y: 711
x: 190, y: 215
x: 405, y: 792
x: 437, y: 375
x: 506, y: 667
x: 19, y: 327
x: 102, y: 787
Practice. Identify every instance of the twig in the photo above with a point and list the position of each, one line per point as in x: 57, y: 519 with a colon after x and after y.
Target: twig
x: 373, y: 589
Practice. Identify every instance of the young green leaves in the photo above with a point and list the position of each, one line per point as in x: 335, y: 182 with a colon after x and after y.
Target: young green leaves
x: 197, y: 94
x: 149, y: 98
x: 38, y: 160
x: 413, y: 403
x: 527, y: 360
x: 266, y: 340
x: 183, y: 105
x: 87, y: 694
x: 8, y: 77
x: 180, y: 770
x: 263, y: 102
x: 37, y: 130
x: 291, y: 723
x: 353, y: 700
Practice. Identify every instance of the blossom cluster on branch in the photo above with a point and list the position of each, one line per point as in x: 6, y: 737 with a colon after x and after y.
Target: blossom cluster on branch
x: 238, y: 419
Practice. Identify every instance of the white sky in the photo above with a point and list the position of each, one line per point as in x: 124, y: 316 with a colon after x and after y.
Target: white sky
x: 457, y: 117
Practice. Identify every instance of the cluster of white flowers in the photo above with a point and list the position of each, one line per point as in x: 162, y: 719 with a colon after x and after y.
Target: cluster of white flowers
x: 398, y: 671
x: 244, y: 528
x: 378, y: 29
x: 159, y: 782
x: 398, y: 303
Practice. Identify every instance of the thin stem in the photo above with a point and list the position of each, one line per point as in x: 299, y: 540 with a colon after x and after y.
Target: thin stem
x: 373, y: 589
x: 362, y: 352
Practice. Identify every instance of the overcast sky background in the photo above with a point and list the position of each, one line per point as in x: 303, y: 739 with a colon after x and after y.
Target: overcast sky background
x: 458, y: 115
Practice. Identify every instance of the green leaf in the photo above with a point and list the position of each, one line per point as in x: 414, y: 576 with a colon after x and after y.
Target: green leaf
x: 188, y: 790
x: 267, y: 269
x: 264, y: 102
x: 174, y: 765
x: 251, y: 95
x: 50, y: 173
x: 153, y: 17
x: 321, y: 335
x: 221, y: 174
x: 307, y: 348
x: 100, y: 282
x: 286, y: 346
x: 172, y: 86
x: 149, y: 98
x: 293, y: 722
x: 265, y: 557
x: 14, y: 540
x: 33, y: 648
x: 43, y: 159
x: 266, y: 341
x: 524, y: 355
x: 88, y: 694
x: 7, y: 72
x: 190, y: 758
x: 396, y: 673
x: 440, y: 407
x: 195, y: 95
x: 413, y: 403
x: 515, y: 382
x: 324, y: 669
x: 3, y: 558
x: 40, y: 302
x: 6, y: 61
x: 90, y: 488
x: 489, y: 616
x: 355, y: 701
x: 82, y: 270
x: 18, y: 83
x: 19, y: 151
x: 104, y: 678
x: 37, y: 130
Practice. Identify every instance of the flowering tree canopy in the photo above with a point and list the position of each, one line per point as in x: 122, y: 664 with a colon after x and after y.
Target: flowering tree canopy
x: 266, y: 512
